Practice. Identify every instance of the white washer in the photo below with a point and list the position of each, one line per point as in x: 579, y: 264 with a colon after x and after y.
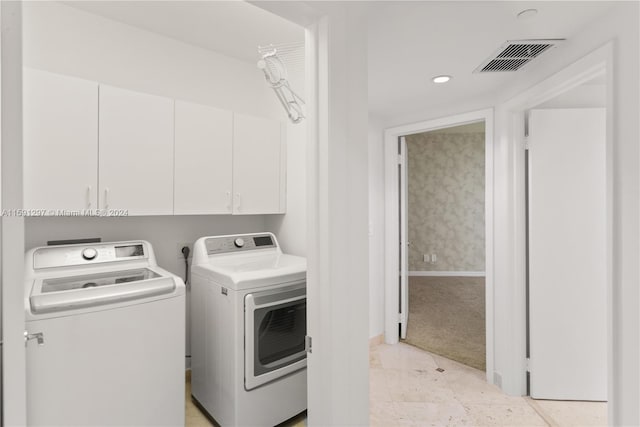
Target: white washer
x: 248, y: 330
x: 106, y: 337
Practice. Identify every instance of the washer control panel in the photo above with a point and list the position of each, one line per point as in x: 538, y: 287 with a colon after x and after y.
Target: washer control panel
x: 229, y: 244
x: 68, y: 255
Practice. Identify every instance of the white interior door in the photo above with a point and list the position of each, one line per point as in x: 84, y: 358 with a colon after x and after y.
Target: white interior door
x: 567, y: 254
x: 404, y: 249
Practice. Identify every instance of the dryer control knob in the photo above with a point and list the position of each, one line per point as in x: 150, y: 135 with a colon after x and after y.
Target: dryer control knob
x: 239, y: 242
x: 89, y: 254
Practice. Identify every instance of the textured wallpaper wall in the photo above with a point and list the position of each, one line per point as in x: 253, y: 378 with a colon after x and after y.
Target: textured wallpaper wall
x: 446, y: 200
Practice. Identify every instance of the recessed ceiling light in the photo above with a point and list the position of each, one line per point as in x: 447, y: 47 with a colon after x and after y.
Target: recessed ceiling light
x: 527, y: 13
x: 441, y: 79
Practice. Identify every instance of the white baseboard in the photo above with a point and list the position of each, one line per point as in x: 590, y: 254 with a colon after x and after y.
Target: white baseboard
x: 448, y: 273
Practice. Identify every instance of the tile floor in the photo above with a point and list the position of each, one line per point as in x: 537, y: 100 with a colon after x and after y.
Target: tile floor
x: 406, y: 389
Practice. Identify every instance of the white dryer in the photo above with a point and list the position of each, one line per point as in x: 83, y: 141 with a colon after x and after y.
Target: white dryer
x: 248, y: 330
x: 105, y: 337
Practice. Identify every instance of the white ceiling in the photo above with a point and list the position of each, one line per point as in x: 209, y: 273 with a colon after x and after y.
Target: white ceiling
x: 233, y: 28
x: 411, y: 42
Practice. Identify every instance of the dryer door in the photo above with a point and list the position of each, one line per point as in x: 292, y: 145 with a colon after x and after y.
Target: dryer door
x: 275, y: 330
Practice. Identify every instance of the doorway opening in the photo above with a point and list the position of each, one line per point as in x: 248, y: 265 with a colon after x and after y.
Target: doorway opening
x: 445, y: 242
x: 435, y: 266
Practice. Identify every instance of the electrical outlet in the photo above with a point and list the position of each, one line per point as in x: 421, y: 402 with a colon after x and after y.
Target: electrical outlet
x: 426, y: 258
x: 434, y: 258
x: 179, y: 247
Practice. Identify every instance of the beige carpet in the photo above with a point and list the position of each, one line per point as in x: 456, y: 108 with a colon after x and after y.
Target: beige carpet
x: 447, y: 317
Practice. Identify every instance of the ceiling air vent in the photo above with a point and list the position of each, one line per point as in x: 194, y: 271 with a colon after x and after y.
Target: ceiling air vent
x: 514, y: 54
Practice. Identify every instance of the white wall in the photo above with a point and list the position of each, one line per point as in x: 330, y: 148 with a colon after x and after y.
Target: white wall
x: 165, y: 233
x: 338, y: 315
x: 291, y: 228
x: 376, y: 228
x: 66, y: 40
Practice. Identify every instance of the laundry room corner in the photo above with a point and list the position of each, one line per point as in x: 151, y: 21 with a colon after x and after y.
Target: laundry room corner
x: 91, y: 42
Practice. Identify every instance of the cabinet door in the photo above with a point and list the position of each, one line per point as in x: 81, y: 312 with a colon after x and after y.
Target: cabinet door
x: 60, y: 142
x: 136, y: 152
x: 258, y: 165
x: 203, y: 159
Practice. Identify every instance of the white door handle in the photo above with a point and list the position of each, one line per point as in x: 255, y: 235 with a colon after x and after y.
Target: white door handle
x: 238, y: 202
x: 229, y: 202
x: 106, y: 198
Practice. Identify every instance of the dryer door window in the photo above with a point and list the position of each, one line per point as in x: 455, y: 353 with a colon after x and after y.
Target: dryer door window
x: 276, y: 323
x: 279, y: 333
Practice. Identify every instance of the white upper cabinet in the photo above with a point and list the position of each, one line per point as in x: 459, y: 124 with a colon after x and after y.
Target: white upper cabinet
x: 258, y: 165
x: 89, y: 146
x: 136, y: 152
x: 60, y: 142
x: 203, y: 159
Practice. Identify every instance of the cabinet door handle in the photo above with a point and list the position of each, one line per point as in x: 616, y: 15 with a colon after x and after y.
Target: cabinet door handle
x: 238, y: 201
x: 88, y: 197
x: 106, y: 198
x: 229, y: 201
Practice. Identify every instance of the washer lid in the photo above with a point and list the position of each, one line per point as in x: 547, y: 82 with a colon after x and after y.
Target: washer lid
x: 90, y: 290
x: 96, y: 280
x: 248, y: 271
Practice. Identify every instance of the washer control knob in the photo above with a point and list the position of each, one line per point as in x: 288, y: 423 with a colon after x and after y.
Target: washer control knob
x: 89, y: 254
x: 239, y: 242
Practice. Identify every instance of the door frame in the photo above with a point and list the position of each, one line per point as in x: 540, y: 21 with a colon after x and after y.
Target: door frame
x: 337, y: 274
x: 403, y: 238
x: 14, y: 399
x: 511, y: 281
x: 392, y: 220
